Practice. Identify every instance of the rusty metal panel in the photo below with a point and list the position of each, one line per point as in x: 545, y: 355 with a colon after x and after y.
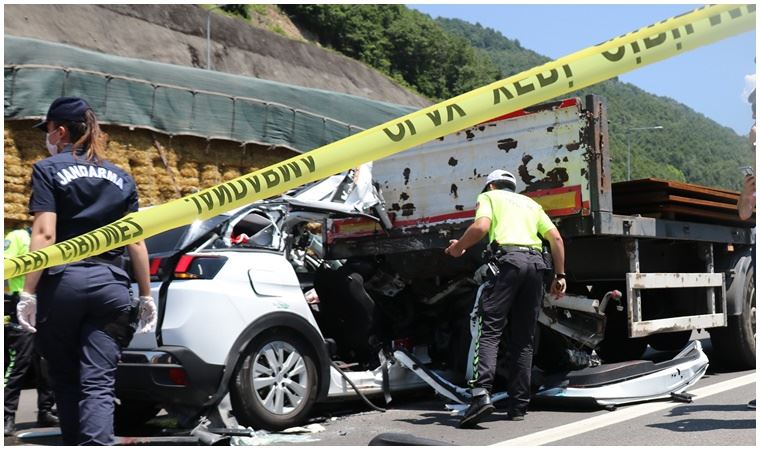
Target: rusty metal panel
x: 597, y: 140
x: 544, y: 147
x: 641, y: 329
x: 673, y: 280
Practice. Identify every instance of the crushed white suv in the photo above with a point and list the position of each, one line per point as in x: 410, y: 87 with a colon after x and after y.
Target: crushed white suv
x: 254, y: 321
x: 238, y: 315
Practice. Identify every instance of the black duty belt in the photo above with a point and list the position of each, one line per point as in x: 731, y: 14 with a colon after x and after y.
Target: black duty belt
x: 517, y: 248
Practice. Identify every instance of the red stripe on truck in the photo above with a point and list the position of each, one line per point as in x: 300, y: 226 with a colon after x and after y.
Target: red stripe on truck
x: 359, y: 227
x: 524, y: 112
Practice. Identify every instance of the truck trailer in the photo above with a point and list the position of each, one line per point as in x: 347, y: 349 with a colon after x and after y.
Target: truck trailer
x: 678, y: 252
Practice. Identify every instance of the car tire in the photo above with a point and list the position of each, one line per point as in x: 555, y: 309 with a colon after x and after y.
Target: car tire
x: 735, y: 344
x: 276, y: 384
x: 131, y: 415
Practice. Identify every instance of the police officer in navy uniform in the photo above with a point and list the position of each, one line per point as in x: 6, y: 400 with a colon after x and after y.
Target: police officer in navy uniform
x: 515, y: 225
x: 86, y: 313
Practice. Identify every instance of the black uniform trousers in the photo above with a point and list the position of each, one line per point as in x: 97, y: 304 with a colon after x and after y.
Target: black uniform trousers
x: 75, y: 303
x: 515, y: 297
x: 24, y: 357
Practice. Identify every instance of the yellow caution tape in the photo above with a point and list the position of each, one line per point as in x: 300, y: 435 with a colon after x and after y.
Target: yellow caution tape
x: 598, y: 63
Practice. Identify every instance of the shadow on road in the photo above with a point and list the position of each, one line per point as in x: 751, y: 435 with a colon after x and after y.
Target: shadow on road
x: 437, y: 418
x: 689, y: 409
x: 687, y: 425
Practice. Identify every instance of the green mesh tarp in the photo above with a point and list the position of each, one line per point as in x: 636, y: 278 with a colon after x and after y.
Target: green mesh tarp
x: 178, y: 100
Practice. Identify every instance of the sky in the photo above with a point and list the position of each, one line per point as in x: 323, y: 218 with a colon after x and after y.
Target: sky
x: 713, y: 80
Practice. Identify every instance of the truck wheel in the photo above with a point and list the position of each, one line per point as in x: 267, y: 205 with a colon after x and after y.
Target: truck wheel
x: 276, y: 385
x: 131, y: 415
x: 668, y: 342
x: 735, y: 344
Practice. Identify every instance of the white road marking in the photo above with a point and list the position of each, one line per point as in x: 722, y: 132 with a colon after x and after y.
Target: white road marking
x: 593, y: 423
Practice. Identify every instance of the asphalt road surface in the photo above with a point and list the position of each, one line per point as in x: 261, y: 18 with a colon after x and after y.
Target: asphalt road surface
x: 718, y: 416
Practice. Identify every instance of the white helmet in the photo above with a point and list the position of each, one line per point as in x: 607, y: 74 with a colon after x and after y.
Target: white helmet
x: 501, y: 175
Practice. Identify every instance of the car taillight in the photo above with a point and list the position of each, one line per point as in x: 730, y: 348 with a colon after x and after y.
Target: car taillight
x: 198, y: 267
x: 155, y: 263
x: 178, y: 376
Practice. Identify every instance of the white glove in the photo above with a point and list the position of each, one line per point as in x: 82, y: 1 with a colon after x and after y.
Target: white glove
x: 26, y: 311
x: 147, y: 314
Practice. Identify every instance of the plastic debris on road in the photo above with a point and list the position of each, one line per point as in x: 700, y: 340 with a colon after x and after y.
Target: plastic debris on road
x: 290, y: 435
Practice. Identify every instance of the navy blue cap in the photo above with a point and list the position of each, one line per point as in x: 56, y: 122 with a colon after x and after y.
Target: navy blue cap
x: 65, y: 109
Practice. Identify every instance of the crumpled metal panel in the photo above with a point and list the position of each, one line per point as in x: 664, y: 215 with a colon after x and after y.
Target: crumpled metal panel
x: 544, y: 148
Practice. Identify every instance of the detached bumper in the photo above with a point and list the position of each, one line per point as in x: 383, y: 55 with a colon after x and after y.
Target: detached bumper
x: 167, y: 376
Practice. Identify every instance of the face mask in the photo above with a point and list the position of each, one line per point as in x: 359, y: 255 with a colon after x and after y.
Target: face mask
x: 51, y: 148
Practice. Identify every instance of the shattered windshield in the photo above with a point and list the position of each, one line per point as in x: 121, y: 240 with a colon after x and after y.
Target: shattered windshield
x: 254, y: 230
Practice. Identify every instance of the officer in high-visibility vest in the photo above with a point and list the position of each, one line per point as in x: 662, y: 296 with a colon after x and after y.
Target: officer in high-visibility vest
x: 515, y: 225
x: 21, y: 349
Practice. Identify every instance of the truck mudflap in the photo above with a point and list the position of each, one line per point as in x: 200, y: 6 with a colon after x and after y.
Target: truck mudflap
x: 607, y: 384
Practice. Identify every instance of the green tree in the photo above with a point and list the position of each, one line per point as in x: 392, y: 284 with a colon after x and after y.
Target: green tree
x: 237, y: 10
x: 402, y: 43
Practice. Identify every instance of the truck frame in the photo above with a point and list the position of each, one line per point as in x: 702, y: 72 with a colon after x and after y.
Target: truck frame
x: 676, y: 274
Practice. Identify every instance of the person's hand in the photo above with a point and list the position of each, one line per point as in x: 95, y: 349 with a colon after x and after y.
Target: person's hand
x: 26, y: 311
x: 747, y: 198
x: 752, y: 135
x: 559, y: 285
x: 148, y: 314
x: 748, y: 187
x: 454, y: 249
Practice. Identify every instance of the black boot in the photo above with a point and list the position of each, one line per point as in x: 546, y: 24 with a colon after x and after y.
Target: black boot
x: 10, y: 425
x: 516, y: 413
x: 47, y: 419
x: 480, y: 407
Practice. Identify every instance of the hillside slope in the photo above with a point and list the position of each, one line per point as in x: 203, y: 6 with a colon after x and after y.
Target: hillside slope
x: 176, y: 34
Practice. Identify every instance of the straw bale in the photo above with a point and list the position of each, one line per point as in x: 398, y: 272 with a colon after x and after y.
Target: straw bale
x: 16, y: 180
x: 171, y: 157
x: 117, y: 153
x: 210, y: 175
x: 17, y: 186
x: 189, y: 170
x: 18, y: 198
x: 11, y: 159
x: 229, y: 173
x: 12, y: 214
x: 139, y: 157
x: 164, y: 175
x: 195, y: 162
x: 167, y: 193
x: 10, y: 149
x: 16, y: 169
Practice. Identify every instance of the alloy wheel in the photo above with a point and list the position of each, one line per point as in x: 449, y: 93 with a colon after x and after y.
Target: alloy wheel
x: 279, y: 377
